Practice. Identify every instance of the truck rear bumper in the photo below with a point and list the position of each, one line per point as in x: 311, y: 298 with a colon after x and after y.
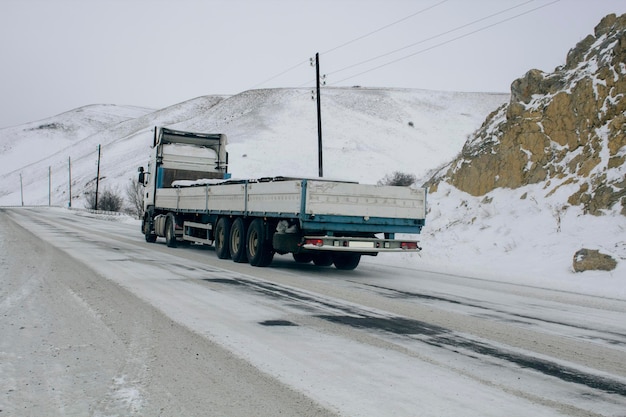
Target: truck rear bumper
x: 360, y: 245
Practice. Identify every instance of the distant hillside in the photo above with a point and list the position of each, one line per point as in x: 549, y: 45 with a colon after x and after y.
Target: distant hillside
x: 565, y: 130
x: 28, y: 143
x: 368, y: 133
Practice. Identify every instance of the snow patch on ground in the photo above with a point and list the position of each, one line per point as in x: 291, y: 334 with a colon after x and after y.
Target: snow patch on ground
x: 519, y: 236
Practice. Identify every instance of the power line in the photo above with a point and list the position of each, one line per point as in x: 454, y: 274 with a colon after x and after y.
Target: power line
x: 411, y: 45
x: 350, y: 42
x: 430, y: 38
x: 385, y: 27
x: 445, y: 42
x: 279, y: 74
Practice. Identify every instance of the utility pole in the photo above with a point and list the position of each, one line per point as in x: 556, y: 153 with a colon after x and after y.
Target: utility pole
x: 319, y: 115
x: 69, y: 168
x: 21, y: 190
x: 49, y: 186
x: 97, y: 179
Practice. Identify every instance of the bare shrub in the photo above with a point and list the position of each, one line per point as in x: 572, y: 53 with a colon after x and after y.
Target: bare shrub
x: 134, y: 195
x: 107, y: 200
x: 400, y: 179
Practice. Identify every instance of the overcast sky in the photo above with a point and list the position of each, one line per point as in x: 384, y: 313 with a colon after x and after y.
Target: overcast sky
x: 57, y: 55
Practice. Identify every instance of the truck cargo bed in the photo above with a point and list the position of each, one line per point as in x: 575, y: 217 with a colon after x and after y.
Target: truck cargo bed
x: 317, y: 204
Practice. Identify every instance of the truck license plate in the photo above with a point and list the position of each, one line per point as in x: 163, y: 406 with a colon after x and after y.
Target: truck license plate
x: 356, y: 244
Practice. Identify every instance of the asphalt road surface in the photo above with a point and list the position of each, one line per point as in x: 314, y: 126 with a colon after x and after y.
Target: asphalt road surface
x: 95, y: 321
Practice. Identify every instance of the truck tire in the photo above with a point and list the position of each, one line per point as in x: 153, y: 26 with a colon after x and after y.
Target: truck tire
x: 170, y: 232
x: 346, y: 261
x: 302, y: 257
x: 150, y: 237
x: 238, y: 241
x: 323, y: 259
x: 222, y: 236
x: 259, y: 248
x: 147, y: 231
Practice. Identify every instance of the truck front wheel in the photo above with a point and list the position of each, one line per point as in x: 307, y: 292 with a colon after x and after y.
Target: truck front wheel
x: 147, y: 230
x: 346, y: 261
x: 259, y: 249
x: 222, y: 234
x: 238, y: 241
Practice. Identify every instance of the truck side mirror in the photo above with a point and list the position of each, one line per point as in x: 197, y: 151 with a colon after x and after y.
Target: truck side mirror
x: 142, y: 176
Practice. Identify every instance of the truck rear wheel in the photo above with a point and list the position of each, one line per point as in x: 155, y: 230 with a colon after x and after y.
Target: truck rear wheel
x: 170, y: 233
x: 222, y: 234
x: 346, y: 261
x: 323, y: 259
x: 259, y: 249
x: 238, y: 241
x: 302, y: 258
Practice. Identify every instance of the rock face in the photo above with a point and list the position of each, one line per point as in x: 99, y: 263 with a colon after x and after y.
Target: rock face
x: 588, y: 259
x: 563, y: 128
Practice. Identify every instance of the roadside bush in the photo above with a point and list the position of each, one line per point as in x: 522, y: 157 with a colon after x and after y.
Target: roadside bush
x: 134, y: 195
x: 108, y: 200
x: 400, y: 179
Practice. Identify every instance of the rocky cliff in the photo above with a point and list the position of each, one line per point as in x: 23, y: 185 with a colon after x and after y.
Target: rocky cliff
x: 566, y: 129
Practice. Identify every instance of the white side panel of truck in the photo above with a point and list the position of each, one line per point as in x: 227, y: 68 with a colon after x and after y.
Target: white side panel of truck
x: 185, y: 199
x: 167, y: 198
x: 336, y: 198
x: 285, y: 197
x: 275, y: 197
x: 229, y: 197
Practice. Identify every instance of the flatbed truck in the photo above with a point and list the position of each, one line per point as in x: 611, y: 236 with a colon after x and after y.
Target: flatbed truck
x: 189, y: 196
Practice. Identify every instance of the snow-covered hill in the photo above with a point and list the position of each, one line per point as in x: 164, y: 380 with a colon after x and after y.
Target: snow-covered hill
x: 367, y: 134
x: 31, y: 142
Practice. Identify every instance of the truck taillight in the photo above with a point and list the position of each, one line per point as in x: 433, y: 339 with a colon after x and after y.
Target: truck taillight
x: 408, y: 245
x: 314, y: 242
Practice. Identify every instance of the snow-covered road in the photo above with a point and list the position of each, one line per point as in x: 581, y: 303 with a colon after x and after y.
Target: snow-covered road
x: 121, y: 326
